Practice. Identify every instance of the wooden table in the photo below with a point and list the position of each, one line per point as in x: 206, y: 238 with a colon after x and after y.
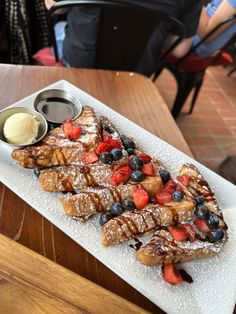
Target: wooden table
x: 132, y: 95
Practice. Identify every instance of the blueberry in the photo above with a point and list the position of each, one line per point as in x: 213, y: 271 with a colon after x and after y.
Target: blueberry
x: 152, y: 200
x: 216, y: 234
x: 177, y: 196
x: 130, y: 151
x: 165, y: 175
x: 213, y: 221
x: 199, y: 199
x: 105, y: 158
x: 37, y: 172
x: 116, y: 154
x: 116, y: 209
x: 202, y: 212
x: 128, y: 143
x: 128, y: 203
x: 137, y: 176
x: 136, y: 163
x: 104, y: 218
x: 106, y: 128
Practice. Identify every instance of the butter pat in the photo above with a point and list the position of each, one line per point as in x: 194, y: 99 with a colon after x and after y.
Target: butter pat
x: 21, y: 129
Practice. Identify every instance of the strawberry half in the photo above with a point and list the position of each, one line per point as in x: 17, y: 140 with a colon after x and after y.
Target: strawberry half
x: 170, y: 186
x: 140, y: 197
x: 107, y: 145
x: 171, y: 274
x: 89, y: 158
x: 145, y: 158
x: 71, y: 130
x: 148, y: 169
x: 177, y: 233
x: 184, y: 179
x: 120, y: 175
x: 163, y: 197
x: 202, y: 225
x: 190, y: 231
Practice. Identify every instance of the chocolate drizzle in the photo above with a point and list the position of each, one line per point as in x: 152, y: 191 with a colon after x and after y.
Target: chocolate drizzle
x: 137, y: 245
x: 185, y: 276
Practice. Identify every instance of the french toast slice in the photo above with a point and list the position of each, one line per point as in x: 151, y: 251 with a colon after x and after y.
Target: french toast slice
x: 208, y: 230
x: 132, y: 224
x: 90, y: 200
x: 55, y: 149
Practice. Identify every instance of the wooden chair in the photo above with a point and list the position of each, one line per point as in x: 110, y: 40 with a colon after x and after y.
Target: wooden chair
x: 124, y: 32
x: 189, y: 70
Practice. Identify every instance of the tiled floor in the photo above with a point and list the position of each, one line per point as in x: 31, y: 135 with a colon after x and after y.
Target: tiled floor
x: 210, y: 130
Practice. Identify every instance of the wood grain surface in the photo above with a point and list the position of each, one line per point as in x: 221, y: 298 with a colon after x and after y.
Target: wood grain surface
x: 132, y: 95
x: 42, y: 286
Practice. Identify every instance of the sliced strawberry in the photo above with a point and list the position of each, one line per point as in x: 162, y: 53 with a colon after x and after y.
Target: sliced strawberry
x: 105, y: 135
x: 107, y: 145
x: 190, y: 231
x: 171, y: 274
x: 184, y: 179
x: 148, y: 169
x: 202, y: 225
x: 163, y: 197
x: 170, y: 186
x: 89, y: 158
x: 72, y: 131
x: 140, y: 197
x: 145, y: 158
x: 179, y: 188
x: 76, y: 131
x: 177, y: 233
x: 120, y: 175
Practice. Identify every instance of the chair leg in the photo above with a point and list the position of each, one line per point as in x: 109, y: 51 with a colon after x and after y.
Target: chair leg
x: 182, y: 95
x: 231, y: 71
x: 196, y: 92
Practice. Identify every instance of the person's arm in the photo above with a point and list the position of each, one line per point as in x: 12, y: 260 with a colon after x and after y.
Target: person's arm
x: 206, y: 24
x: 49, y: 3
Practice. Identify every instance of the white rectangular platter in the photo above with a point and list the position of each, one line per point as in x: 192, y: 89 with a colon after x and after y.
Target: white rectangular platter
x: 214, y: 280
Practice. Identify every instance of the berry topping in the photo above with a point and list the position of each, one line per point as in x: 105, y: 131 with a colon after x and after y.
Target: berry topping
x: 202, y: 211
x: 145, y: 158
x: 170, y: 186
x: 130, y: 151
x: 177, y: 196
x: 128, y: 203
x: 137, y: 176
x: 116, y: 209
x: 171, y: 274
x: 202, y: 225
x: 105, y: 158
x: 37, y: 172
x: 199, y: 199
x: 178, y: 233
x: 116, y: 154
x: 107, y: 145
x: 184, y: 180
x: 148, y: 169
x: 120, y: 175
x: 165, y: 175
x: 71, y: 130
x: 190, y: 231
x: 179, y: 188
x: 140, y: 197
x: 104, y: 218
x: 128, y: 143
x: 136, y: 163
x: 105, y: 127
x: 213, y: 221
x: 216, y: 235
x: 163, y: 197
x: 89, y: 158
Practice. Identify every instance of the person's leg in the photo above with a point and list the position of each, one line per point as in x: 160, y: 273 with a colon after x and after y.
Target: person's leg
x: 59, y: 29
